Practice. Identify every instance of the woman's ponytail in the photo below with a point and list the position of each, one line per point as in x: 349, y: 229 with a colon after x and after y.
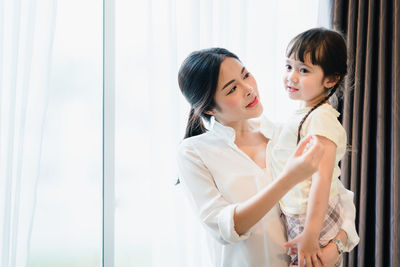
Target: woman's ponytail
x: 195, y: 125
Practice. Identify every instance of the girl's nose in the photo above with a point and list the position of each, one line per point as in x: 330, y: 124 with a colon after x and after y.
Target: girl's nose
x: 292, y: 77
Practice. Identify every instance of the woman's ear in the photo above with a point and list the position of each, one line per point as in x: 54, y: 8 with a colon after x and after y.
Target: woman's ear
x: 210, y: 112
x: 331, y: 81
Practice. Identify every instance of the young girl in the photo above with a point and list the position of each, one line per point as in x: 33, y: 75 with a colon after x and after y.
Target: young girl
x: 315, y: 69
x: 224, y: 170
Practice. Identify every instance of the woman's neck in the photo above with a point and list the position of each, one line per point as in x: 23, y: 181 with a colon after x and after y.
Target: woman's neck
x: 243, y: 127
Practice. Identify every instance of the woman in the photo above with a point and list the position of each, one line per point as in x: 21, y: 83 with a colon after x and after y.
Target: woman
x: 225, y: 170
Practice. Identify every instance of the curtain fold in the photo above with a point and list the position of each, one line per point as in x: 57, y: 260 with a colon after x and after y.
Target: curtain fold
x: 26, y: 33
x: 371, y: 118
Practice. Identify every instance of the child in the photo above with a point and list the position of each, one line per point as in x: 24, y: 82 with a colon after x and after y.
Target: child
x: 315, y: 69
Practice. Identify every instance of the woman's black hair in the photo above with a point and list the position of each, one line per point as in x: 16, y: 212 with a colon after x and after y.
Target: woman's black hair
x: 198, y: 79
x: 327, y: 49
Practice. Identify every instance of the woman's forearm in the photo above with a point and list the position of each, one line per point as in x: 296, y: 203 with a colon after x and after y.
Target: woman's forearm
x: 248, y: 213
x: 302, y: 164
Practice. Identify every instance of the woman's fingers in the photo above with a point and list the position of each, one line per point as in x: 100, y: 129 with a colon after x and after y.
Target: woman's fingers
x: 301, y: 147
x: 310, y: 148
x: 315, y: 149
x: 314, y: 155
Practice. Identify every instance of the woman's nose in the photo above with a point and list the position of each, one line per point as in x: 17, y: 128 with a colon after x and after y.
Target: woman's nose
x: 250, y: 90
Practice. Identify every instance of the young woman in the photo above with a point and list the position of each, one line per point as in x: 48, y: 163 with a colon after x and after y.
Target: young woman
x: 225, y: 172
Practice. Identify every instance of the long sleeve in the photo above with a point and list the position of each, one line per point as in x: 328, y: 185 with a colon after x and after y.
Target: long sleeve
x: 215, y: 212
x: 349, y: 215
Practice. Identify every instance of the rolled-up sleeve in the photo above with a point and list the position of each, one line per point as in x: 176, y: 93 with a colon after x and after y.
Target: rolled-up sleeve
x: 214, y: 211
x: 349, y: 215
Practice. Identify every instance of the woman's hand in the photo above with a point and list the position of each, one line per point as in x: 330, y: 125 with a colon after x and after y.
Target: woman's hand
x: 305, y: 161
x: 329, y: 255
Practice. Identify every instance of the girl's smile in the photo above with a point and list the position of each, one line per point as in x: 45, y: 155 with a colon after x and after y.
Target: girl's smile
x: 305, y: 81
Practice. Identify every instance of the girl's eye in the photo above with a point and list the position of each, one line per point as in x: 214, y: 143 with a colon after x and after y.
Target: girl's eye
x: 232, y: 90
x: 303, y: 70
x: 246, y: 75
x: 288, y: 67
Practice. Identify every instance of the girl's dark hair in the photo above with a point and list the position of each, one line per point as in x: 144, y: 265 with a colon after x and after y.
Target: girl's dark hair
x: 327, y: 49
x: 198, y: 79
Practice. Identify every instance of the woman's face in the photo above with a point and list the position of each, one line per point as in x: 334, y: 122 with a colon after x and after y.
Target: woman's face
x: 236, y: 96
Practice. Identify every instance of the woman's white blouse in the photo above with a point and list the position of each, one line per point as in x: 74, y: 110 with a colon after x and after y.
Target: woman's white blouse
x: 217, y: 176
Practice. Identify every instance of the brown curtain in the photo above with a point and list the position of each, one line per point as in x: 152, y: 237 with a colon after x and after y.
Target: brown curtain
x: 370, y: 109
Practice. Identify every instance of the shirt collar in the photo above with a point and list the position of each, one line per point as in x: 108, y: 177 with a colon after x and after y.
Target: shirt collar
x: 221, y: 130
x: 228, y: 133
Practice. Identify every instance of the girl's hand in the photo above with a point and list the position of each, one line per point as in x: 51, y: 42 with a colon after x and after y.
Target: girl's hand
x: 307, y: 249
x: 305, y: 161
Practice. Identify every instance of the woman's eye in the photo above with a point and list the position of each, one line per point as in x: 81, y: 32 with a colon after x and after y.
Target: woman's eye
x: 246, y: 75
x: 232, y: 90
x: 303, y: 70
x: 288, y: 67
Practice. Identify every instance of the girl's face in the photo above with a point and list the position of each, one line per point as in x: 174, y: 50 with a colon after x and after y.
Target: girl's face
x: 305, y: 81
x: 236, y: 96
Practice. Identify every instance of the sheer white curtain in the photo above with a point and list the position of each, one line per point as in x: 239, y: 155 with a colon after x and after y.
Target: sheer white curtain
x: 26, y: 36
x: 154, y: 223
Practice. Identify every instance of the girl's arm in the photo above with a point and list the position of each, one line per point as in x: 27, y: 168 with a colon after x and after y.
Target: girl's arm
x: 317, y: 204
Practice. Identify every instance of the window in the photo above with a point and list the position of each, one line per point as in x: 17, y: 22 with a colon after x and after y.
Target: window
x: 67, y: 225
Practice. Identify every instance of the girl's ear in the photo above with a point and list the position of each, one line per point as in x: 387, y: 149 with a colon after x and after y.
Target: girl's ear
x: 331, y: 81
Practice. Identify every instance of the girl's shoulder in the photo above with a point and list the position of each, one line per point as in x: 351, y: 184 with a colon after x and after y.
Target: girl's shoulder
x: 325, y: 110
x: 324, y: 116
x: 324, y: 121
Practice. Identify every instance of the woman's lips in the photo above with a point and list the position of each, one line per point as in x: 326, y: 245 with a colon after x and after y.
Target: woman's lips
x: 292, y: 89
x: 253, y: 104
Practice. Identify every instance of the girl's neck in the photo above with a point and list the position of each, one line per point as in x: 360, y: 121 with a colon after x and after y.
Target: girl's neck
x: 312, y: 103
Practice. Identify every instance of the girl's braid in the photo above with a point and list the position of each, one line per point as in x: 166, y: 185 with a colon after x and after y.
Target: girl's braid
x: 332, y: 91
